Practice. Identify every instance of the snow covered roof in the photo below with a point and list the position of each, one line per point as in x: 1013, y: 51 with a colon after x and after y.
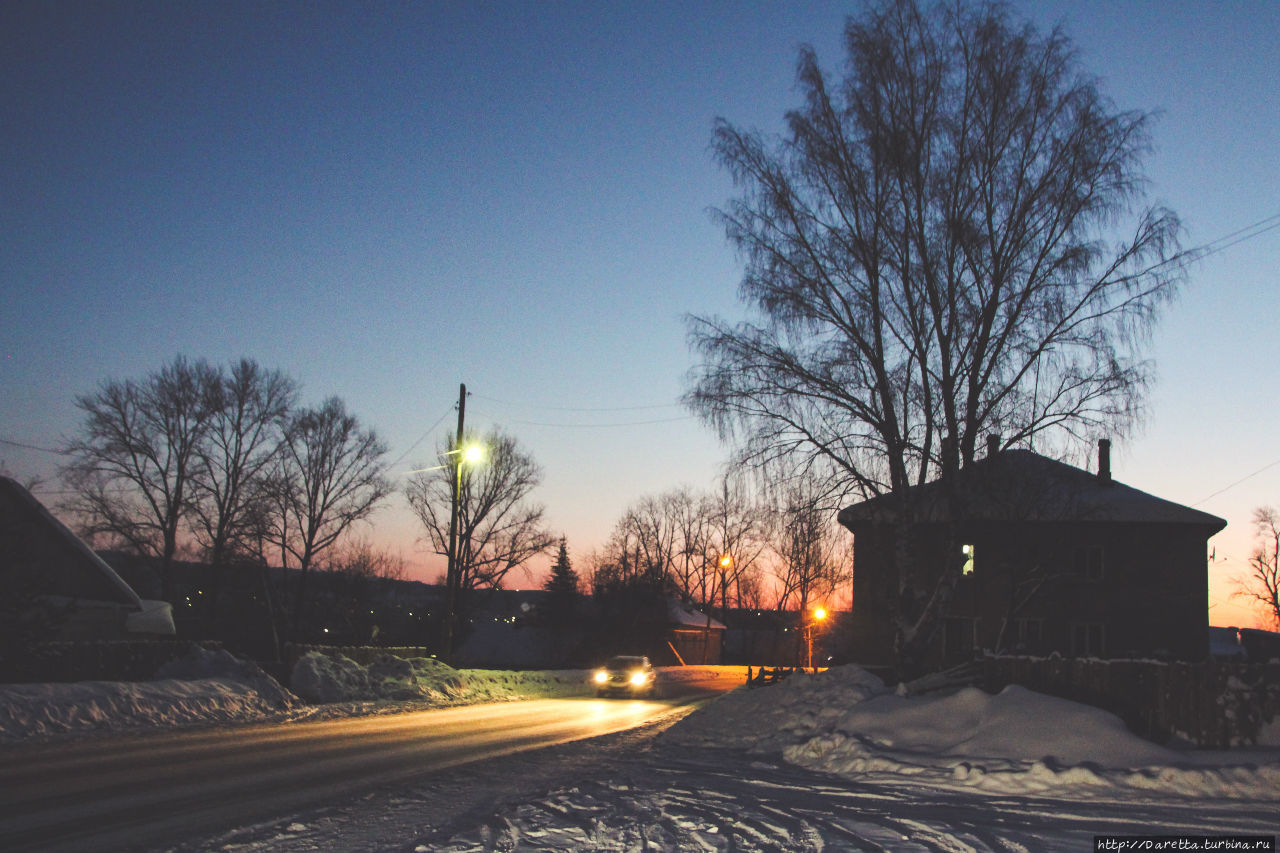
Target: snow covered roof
x: 32, y: 535
x: 58, y: 563
x: 683, y: 615
x: 1019, y: 485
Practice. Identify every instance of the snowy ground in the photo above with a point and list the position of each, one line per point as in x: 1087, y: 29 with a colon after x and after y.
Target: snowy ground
x: 833, y: 761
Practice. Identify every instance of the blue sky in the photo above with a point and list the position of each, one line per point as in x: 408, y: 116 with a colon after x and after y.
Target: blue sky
x: 387, y: 199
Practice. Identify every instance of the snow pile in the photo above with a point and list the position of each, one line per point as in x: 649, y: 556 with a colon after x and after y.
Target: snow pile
x: 215, y: 687
x: 322, y: 679
x: 768, y: 719
x: 200, y: 664
x: 35, y: 710
x: 1016, y: 724
x: 202, y: 687
x: 846, y: 722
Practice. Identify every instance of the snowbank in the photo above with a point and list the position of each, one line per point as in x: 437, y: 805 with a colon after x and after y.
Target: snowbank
x: 215, y: 687
x: 846, y: 722
x: 325, y: 679
x: 202, y: 687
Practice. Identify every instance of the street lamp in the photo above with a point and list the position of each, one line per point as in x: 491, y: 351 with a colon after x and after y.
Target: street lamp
x: 726, y: 564
x: 816, y: 616
x: 471, y: 454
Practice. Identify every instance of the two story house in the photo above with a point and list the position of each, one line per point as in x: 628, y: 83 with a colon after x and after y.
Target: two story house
x: 1025, y: 554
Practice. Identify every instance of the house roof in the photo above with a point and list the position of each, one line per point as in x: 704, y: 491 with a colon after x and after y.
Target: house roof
x: 1020, y: 485
x: 53, y: 558
x: 681, y: 614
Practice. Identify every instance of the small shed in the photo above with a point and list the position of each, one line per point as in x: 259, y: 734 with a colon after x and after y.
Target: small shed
x: 693, y: 637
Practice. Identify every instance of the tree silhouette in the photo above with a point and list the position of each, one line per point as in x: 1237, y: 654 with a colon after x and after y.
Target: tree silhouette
x: 949, y: 242
x: 133, y: 464
x: 1263, y: 583
x: 329, y: 476
x: 563, y: 585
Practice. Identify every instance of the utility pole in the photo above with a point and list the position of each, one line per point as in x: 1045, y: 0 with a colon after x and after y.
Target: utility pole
x: 452, y: 579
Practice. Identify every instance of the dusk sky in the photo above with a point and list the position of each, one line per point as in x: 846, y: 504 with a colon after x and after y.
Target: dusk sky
x: 387, y: 199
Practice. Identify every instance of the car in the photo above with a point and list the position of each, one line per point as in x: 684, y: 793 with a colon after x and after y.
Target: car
x: 629, y: 675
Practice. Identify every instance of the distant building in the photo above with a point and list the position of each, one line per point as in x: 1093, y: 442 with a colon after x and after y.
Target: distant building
x: 1045, y: 558
x: 693, y: 637
x: 41, y: 561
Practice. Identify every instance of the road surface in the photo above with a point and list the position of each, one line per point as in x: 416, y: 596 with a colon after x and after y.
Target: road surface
x: 149, y: 791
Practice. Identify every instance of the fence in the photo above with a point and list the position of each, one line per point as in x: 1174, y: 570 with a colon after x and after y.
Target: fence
x: 1211, y: 704
x: 771, y: 675
x: 92, y: 660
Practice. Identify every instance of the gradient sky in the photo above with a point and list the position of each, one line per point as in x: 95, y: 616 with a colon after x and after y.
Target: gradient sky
x: 387, y: 199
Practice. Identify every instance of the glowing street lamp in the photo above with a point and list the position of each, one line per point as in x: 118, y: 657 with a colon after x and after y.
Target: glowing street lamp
x: 470, y: 454
x: 816, y: 616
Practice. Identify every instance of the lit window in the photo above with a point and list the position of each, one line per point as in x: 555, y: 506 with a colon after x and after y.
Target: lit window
x: 967, y: 551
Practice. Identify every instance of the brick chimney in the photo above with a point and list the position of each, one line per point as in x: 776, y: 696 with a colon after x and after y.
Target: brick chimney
x: 993, y: 444
x: 1104, y: 460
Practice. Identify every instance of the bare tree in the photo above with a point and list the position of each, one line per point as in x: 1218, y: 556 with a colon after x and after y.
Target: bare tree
x: 498, y: 528
x: 243, y: 438
x: 692, y: 568
x: 701, y: 544
x: 133, y: 462
x: 330, y: 476
x: 934, y: 253
x: 360, y: 557
x: 813, y: 553
x: 738, y: 541
x: 1263, y: 582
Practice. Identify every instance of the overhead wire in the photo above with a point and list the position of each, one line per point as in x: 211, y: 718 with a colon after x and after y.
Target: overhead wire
x: 1221, y: 244
x: 26, y: 446
x: 1243, y: 479
x: 575, y: 408
x: 421, y: 438
x: 491, y: 416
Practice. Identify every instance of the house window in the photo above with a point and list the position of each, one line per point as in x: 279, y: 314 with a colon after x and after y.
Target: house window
x: 1026, y: 634
x: 1088, y: 639
x: 1089, y: 562
x: 959, y: 637
x: 967, y: 552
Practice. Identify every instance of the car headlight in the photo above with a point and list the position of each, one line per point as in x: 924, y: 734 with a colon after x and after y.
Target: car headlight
x: 601, y: 676
x: 638, y: 678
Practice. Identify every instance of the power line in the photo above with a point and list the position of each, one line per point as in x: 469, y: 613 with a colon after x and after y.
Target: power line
x: 26, y: 446
x: 589, y: 426
x: 577, y: 409
x: 1256, y: 233
x: 1266, y: 467
x: 421, y: 438
x: 1221, y: 244
x: 1274, y: 221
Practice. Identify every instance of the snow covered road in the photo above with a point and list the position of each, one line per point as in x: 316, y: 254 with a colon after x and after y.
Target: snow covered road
x: 131, y: 792
x: 724, y: 800
x: 832, y: 761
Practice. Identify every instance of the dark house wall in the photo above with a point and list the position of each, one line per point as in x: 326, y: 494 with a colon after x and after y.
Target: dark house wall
x: 1080, y: 589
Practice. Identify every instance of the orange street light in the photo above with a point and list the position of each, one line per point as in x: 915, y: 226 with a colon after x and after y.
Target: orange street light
x: 816, y: 616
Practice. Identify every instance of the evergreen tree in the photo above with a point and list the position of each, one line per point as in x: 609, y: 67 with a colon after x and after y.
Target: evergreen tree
x: 563, y: 586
